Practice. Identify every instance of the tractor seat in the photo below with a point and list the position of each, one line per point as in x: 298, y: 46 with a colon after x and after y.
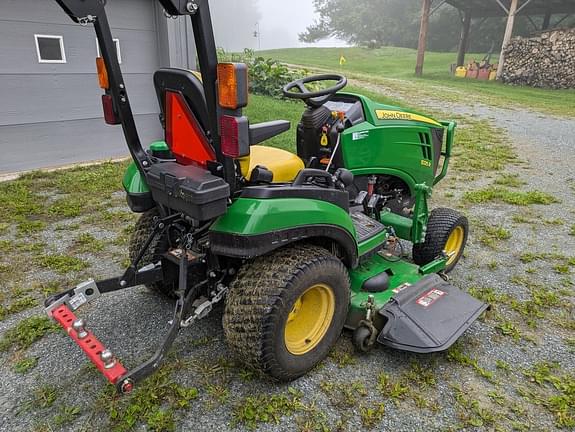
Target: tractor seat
x: 284, y: 165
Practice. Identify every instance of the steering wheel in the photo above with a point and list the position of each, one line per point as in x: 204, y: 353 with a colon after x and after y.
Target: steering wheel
x: 317, y: 98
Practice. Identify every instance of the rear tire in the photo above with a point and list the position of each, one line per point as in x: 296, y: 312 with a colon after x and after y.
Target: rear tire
x: 447, y: 230
x: 285, y: 311
x: 159, y: 245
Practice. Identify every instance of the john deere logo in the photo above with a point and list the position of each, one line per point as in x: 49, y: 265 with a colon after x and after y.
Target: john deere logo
x: 400, y: 115
x: 392, y: 115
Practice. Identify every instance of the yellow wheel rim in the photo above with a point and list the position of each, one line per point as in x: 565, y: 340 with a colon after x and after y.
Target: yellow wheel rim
x: 309, y: 319
x: 454, y: 244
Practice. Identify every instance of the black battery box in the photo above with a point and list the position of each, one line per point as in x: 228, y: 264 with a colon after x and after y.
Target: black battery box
x: 189, y: 189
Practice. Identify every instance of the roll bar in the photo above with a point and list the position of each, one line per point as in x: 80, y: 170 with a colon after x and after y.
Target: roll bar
x: 93, y: 12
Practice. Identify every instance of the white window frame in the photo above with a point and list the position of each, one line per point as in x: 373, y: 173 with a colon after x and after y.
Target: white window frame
x: 62, y: 50
x: 118, y: 49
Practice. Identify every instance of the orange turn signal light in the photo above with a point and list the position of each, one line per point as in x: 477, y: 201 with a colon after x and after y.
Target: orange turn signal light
x: 232, y: 85
x: 102, y: 73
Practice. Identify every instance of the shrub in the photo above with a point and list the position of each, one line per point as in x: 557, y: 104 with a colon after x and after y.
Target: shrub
x: 266, y: 76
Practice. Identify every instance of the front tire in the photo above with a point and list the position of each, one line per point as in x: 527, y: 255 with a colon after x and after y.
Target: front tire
x: 285, y: 311
x: 447, y: 230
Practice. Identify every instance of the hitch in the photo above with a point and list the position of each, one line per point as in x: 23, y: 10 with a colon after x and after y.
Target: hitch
x: 190, y: 306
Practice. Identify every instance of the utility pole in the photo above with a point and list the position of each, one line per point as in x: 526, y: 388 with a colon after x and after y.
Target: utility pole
x: 425, y: 12
x: 508, y: 34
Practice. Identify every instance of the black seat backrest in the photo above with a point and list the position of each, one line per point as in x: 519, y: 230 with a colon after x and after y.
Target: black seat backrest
x: 184, y: 82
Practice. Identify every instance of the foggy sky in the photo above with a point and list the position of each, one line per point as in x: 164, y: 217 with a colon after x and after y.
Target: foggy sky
x: 279, y: 23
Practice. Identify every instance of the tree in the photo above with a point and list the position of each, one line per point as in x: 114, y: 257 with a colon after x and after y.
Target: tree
x: 365, y: 22
x: 376, y: 23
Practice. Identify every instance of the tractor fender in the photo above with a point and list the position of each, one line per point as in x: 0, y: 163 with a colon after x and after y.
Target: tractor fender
x: 138, y: 194
x: 254, y: 227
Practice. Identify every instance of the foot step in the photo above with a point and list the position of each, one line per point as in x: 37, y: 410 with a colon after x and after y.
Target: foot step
x: 365, y: 227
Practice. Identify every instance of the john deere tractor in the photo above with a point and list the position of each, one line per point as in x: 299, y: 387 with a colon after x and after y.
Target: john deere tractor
x: 297, y: 246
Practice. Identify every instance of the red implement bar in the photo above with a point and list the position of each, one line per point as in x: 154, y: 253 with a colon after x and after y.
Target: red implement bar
x: 89, y: 344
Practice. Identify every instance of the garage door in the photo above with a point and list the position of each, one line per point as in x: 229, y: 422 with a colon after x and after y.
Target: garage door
x: 50, y: 110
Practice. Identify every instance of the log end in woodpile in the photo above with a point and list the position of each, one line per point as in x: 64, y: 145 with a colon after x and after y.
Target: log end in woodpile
x: 546, y: 61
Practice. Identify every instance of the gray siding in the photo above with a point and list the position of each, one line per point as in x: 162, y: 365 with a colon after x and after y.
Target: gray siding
x: 51, y: 113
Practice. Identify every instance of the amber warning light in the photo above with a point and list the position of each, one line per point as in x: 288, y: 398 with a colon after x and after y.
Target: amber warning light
x: 233, y: 85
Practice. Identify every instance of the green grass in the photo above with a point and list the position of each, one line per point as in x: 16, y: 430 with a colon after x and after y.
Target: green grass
x: 62, y: 264
x: 499, y: 194
x: 27, y: 332
x: 387, y: 65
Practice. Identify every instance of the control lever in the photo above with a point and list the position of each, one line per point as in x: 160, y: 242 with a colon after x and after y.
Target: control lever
x: 339, y: 128
x: 374, y: 207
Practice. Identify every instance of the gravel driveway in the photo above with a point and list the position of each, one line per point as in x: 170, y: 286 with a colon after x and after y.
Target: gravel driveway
x: 513, y: 370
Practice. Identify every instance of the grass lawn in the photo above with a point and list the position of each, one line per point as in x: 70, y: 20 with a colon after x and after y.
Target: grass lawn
x: 395, y: 67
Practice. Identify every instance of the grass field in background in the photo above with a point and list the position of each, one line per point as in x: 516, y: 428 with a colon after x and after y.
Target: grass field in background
x: 388, y: 64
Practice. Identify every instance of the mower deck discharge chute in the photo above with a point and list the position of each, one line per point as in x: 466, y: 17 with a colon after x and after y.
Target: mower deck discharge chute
x: 298, y: 246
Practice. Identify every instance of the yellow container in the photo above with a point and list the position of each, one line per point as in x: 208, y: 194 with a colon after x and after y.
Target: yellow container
x: 493, y: 75
x: 461, y: 72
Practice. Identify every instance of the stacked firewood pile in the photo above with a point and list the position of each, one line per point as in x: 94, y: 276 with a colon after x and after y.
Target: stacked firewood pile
x: 547, y: 60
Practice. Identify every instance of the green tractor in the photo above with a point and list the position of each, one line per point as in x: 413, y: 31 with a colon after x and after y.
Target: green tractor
x: 298, y: 247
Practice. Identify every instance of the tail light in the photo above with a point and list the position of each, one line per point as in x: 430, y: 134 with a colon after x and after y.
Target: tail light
x: 233, y: 85
x: 235, y: 137
x: 110, y: 115
x: 184, y: 135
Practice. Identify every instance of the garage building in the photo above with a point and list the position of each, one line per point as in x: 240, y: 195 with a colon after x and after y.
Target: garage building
x: 51, y: 112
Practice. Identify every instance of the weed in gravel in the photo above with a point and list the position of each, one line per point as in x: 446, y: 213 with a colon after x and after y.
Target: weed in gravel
x: 561, y: 401
x: 508, y: 328
x: 504, y: 366
x: 572, y: 231
x: 510, y: 180
x: 395, y: 390
x: 497, y: 397
x: 153, y: 403
x: 371, y: 416
x: 422, y: 376
x: 66, y: 414
x: 87, y: 243
x: 343, y: 394
x: 68, y: 207
x: 491, y: 153
x: 44, y: 396
x: 62, y: 264
x: 473, y: 413
x: 18, y: 305
x: 219, y: 394
x: 26, y: 332
x: 342, y: 357
x: 490, y: 235
x: 456, y: 355
x: 561, y: 268
x: 499, y: 194
x: 18, y: 201
x: 254, y: 410
x: 28, y: 227
x: 25, y: 364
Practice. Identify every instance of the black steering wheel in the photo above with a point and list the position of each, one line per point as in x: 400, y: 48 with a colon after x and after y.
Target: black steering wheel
x: 314, y: 98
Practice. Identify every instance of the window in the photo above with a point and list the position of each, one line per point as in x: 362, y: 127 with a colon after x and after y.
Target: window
x: 118, y: 52
x: 50, y: 49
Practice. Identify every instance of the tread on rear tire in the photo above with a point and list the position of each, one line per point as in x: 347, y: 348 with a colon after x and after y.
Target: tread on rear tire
x: 261, y: 301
